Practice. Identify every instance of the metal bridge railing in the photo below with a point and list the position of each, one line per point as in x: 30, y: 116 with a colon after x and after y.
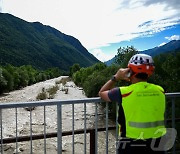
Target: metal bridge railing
x: 60, y: 133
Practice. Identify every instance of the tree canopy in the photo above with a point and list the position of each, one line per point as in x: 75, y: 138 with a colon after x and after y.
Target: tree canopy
x: 12, y: 78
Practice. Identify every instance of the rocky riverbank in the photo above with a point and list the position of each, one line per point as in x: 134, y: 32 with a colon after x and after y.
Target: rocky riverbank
x: 23, y: 118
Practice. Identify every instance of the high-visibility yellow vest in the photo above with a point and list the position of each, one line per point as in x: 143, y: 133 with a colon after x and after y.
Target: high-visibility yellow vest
x: 144, y: 107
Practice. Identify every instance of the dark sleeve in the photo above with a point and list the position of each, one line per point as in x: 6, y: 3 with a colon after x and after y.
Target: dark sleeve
x: 115, y: 95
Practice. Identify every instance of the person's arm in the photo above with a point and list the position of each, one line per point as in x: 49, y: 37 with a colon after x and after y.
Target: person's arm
x: 120, y: 75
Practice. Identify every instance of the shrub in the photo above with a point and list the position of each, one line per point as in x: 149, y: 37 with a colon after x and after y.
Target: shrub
x: 63, y: 81
x: 52, y: 91
x: 41, y: 96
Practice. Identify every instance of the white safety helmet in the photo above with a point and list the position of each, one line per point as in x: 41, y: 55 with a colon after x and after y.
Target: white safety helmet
x: 141, y: 63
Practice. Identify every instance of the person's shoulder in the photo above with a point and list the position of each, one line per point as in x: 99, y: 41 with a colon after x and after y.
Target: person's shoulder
x: 158, y: 87
x: 114, y: 90
x: 126, y: 89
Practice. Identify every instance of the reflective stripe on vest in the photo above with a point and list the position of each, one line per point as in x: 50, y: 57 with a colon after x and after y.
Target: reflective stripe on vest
x: 146, y: 124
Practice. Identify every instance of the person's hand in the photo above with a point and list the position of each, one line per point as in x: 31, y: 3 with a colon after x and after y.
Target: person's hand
x: 122, y: 74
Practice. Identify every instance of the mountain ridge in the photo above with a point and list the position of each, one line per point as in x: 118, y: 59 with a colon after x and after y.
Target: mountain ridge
x: 42, y: 46
x: 168, y: 47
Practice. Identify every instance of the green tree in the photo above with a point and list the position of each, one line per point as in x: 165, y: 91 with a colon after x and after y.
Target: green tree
x: 76, y: 67
x: 95, y: 80
x: 98, y: 66
x: 23, y: 77
x: 16, y: 78
x: 9, y: 68
x: 53, y: 72
x: 93, y: 83
x: 167, y: 71
x: 77, y: 77
x: 3, y: 82
x: 80, y: 76
x: 8, y: 77
x: 124, y: 54
x: 31, y: 73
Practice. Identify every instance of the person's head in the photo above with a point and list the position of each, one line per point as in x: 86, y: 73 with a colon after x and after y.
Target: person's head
x: 142, y: 66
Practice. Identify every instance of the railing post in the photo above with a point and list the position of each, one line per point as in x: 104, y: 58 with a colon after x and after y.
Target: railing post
x: 117, y: 129
x: 173, y: 112
x: 1, y: 132
x: 16, y: 131
x: 107, y: 127
x: 72, y: 128
x: 96, y: 129
x: 173, y: 123
x: 85, y: 128
x: 44, y: 129
x: 59, y: 128
x: 31, y: 132
x: 92, y: 141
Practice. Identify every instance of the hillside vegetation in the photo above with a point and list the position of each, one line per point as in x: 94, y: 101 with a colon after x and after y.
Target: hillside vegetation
x: 13, y: 78
x: 167, y: 72
x: 43, y: 47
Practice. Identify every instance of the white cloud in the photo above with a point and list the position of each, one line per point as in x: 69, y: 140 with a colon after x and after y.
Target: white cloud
x: 162, y: 44
x: 0, y: 6
x: 99, y: 54
x: 98, y: 23
x: 173, y: 37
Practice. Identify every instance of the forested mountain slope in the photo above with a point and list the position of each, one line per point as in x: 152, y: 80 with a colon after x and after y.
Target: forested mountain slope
x: 25, y: 43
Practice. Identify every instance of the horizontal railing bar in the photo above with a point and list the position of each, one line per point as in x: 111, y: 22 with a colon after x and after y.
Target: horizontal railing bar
x: 176, y: 120
x: 49, y: 102
x: 63, y: 102
x: 175, y: 94
x: 51, y: 135
x: 64, y: 133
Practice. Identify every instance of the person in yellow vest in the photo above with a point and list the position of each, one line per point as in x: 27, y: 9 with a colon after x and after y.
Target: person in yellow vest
x: 141, y: 107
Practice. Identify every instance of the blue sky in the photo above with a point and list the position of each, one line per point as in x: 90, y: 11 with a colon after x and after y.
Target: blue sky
x: 146, y: 42
x: 102, y: 26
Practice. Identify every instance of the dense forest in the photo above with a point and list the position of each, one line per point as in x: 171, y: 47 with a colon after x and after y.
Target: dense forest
x: 13, y: 78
